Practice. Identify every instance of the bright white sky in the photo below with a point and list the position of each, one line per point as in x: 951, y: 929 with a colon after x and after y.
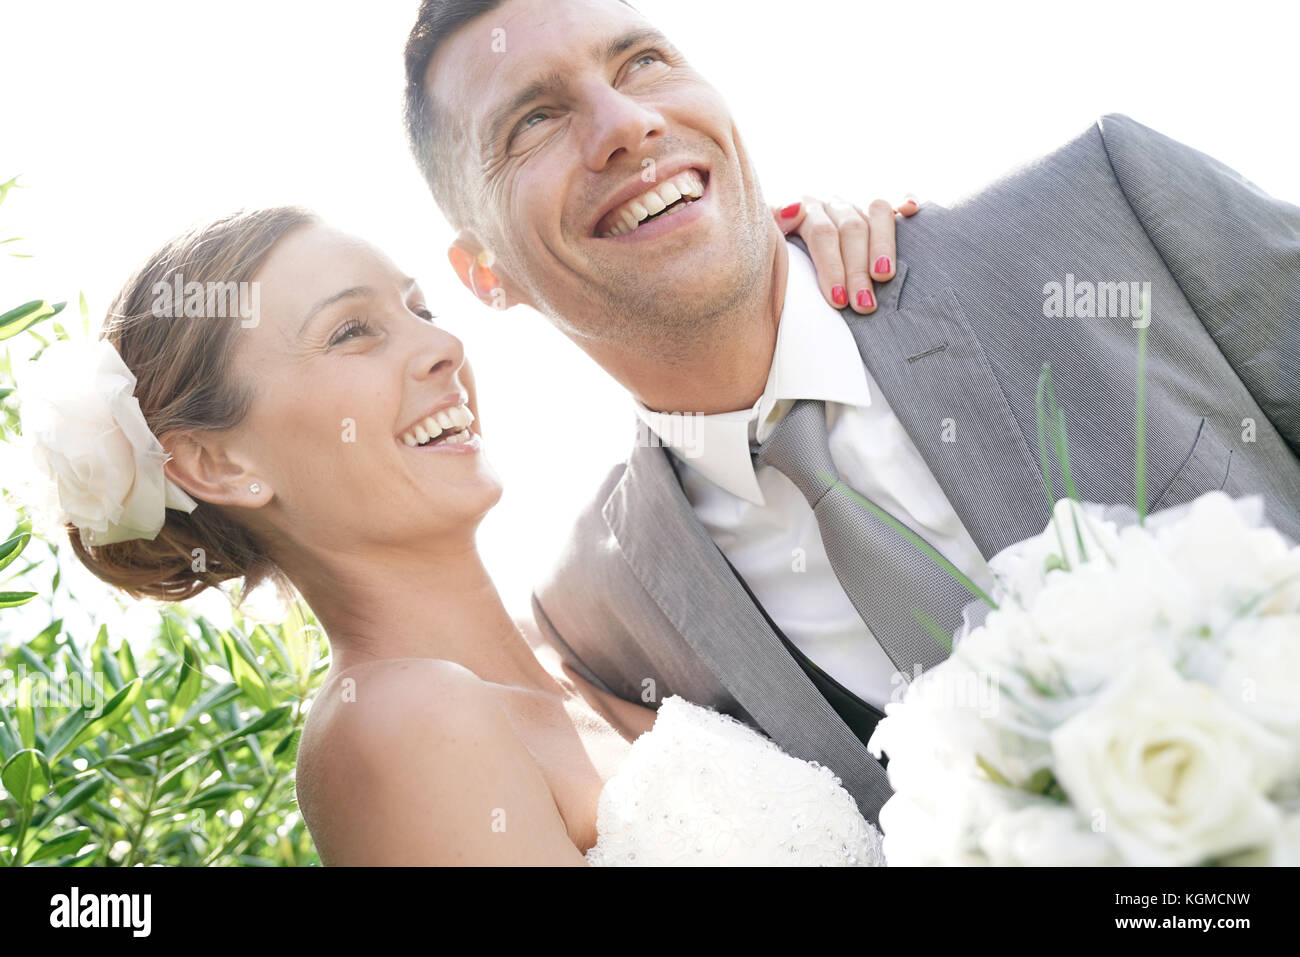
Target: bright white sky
x: 130, y: 120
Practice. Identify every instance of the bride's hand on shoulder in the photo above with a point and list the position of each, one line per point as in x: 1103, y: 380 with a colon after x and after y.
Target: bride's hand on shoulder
x: 850, y: 249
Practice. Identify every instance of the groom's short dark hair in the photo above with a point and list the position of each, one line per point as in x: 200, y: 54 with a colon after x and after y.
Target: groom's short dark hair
x: 435, y: 22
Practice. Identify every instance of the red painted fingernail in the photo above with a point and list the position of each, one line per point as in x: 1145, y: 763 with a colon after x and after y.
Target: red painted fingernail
x: 866, y: 300
x: 791, y: 211
x: 883, y: 265
x: 840, y: 297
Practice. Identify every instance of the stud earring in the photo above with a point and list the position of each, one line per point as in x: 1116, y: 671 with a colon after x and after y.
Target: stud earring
x: 255, y: 488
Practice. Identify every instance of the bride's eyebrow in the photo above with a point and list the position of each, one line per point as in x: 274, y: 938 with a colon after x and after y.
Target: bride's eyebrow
x: 354, y: 292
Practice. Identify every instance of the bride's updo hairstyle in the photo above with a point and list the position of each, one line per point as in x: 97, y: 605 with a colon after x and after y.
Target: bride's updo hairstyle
x: 184, y: 381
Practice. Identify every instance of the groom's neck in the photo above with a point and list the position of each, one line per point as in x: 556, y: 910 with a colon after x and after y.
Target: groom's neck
x: 725, y: 370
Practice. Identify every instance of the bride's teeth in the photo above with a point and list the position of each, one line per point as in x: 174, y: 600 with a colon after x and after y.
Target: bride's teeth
x: 421, y: 436
x: 444, y: 420
x: 410, y: 440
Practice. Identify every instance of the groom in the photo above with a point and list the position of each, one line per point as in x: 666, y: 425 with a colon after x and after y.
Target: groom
x: 748, y: 555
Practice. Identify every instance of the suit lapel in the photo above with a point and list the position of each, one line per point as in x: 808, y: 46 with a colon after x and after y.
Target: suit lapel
x: 682, y: 569
x: 941, y: 387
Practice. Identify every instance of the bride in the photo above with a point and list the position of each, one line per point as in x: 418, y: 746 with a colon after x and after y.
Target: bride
x: 333, y: 445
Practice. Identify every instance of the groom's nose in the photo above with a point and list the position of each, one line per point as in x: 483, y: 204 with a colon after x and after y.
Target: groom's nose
x: 617, y: 124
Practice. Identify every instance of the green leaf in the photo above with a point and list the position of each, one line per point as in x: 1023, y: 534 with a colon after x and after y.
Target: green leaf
x: 79, y: 795
x: 246, y: 671
x: 188, y: 683
x: 272, y: 719
x: 5, y: 187
x: 23, y: 710
x: 44, y: 643
x: 23, y: 317
x: 117, y: 708
x: 125, y: 767
x: 289, y: 743
x: 60, y: 845
x: 994, y: 774
x: 13, y: 548
x: 26, y: 776
x: 218, y: 793
x: 126, y: 662
x: 68, y: 729
x: 158, y: 743
x: 12, y: 599
x: 920, y: 543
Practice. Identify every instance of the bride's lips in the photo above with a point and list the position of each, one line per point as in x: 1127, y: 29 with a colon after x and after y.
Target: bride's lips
x: 639, y: 209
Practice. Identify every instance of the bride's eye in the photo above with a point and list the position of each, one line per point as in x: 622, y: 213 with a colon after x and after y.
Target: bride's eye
x: 350, y: 330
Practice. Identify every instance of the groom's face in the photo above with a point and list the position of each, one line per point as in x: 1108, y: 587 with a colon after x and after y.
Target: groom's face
x: 563, y: 118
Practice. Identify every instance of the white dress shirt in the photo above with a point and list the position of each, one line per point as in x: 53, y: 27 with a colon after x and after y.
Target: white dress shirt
x: 762, y: 522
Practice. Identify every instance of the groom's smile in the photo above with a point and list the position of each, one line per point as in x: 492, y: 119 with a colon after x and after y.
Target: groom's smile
x: 578, y: 146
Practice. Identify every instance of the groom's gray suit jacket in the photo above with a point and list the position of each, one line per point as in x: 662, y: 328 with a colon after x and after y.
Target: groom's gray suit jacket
x: 642, y: 601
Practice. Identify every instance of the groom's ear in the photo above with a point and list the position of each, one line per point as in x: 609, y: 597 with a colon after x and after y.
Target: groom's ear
x: 475, y: 267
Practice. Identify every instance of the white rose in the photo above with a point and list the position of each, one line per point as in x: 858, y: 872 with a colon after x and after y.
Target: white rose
x: 1022, y: 568
x: 1043, y: 835
x: 1179, y: 776
x: 1227, y: 555
x: 1095, y: 618
x: 1261, y: 676
x: 89, y: 438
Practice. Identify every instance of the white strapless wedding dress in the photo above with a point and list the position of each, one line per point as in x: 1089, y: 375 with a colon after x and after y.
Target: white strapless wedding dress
x: 701, y: 788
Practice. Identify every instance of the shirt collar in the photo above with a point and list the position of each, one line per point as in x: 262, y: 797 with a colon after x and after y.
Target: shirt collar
x: 816, y: 357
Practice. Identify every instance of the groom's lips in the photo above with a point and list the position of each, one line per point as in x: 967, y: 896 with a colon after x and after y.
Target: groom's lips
x: 638, y: 187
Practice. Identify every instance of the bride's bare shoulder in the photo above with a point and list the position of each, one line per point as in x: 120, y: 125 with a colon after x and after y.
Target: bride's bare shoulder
x: 413, y: 761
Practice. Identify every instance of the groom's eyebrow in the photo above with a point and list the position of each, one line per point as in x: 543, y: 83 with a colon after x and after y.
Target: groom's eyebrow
x: 554, y: 81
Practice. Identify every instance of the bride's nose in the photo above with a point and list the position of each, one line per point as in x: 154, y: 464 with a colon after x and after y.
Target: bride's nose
x: 439, y: 356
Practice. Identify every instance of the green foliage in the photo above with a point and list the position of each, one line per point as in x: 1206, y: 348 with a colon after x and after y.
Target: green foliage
x: 182, y: 756
x: 177, y: 765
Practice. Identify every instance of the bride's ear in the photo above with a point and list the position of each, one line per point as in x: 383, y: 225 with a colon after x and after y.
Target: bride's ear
x: 475, y: 266
x: 202, y: 467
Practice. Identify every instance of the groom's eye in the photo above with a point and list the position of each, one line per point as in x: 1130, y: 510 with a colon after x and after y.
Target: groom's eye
x: 645, y: 59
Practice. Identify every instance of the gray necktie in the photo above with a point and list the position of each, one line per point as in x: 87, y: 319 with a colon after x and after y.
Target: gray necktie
x: 885, y: 575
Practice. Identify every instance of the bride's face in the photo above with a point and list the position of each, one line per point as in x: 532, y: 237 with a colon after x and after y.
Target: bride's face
x: 345, y: 362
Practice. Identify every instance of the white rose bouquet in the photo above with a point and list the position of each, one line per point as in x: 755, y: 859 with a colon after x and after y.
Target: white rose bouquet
x: 1133, y: 699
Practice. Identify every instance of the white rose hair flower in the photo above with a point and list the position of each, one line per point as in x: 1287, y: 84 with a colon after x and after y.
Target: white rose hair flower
x: 98, y: 465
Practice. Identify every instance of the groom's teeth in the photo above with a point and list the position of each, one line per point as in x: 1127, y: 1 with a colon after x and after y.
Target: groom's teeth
x: 688, y: 186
